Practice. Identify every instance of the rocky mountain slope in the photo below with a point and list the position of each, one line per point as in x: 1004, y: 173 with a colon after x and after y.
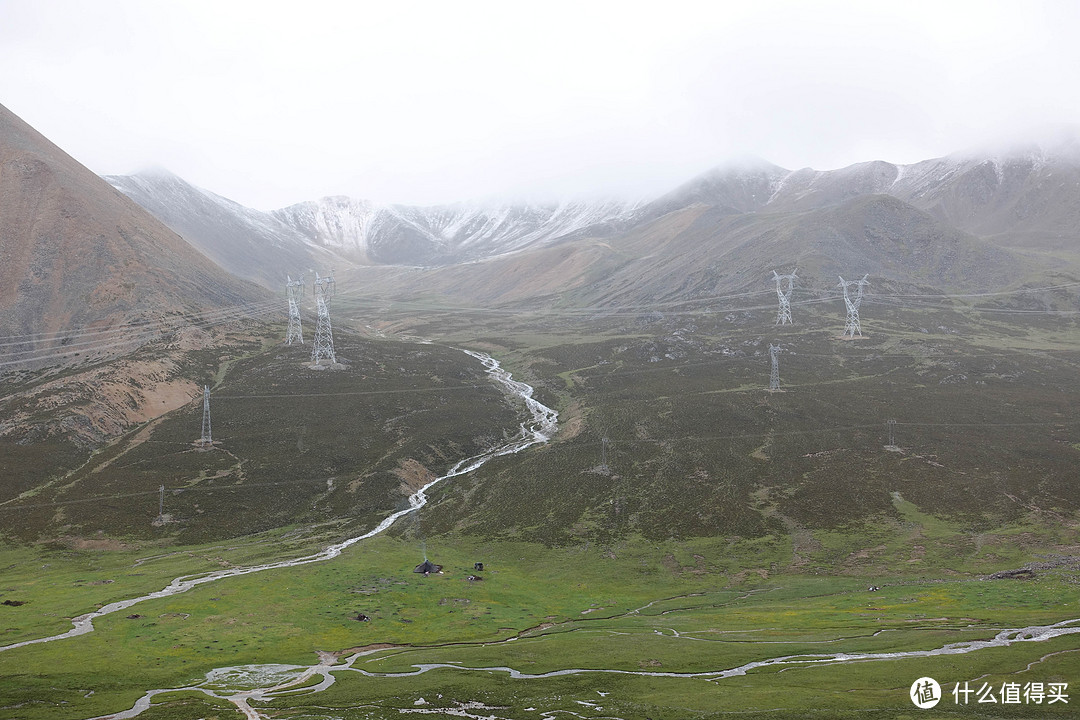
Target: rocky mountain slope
x: 704, y: 251
x: 246, y: 242
x: 1027, y: 196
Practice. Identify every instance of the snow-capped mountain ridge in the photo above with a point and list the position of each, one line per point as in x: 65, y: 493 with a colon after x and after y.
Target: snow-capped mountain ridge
x: 1027, y: 195
x: 246, y: 242
x: 442, y: 234
x: 1024, y: 194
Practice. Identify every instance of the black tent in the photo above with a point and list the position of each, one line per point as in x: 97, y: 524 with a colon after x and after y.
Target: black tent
x: 427, y: 567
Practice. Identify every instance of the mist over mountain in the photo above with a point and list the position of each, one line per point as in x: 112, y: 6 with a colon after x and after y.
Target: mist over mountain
x: 246, y: 242
x: 1025, y: 197
x: 953, y: 224
x: 442, y: 234
x: 1021, y: 194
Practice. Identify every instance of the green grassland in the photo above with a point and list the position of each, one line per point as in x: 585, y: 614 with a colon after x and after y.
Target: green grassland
x: 730, y: 524
x: 631, y: 606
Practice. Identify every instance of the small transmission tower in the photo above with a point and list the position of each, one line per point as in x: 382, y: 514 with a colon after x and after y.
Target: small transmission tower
x: 323, y: 348
x: 783, y: 294
x: 206, y: 440
x: 294, y: 290
x: 852, y: 326
x: 774, y: 375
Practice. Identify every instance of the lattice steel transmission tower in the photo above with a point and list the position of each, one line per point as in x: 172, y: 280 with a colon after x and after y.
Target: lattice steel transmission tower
x: 783, y: 294
x: 852, y: 326
x: 323, y: 347
x: 206, y: 439
x: 774, y: 375
x: 294, y: 290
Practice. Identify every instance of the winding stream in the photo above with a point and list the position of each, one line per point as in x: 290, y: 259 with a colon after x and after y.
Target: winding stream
x: 538, y: 428
x: 240, y: 685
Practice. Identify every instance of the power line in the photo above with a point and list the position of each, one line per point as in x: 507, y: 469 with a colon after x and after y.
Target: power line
x: 249, y: 308
x: 174, y: 491
x: 596, y: 309
x: 102, y: 339
x: 120, y: 337
x: 206, y: 318
x: 57, y: 353
x: 995, y: 293
x: 436, y: 388
x: 259, y: 307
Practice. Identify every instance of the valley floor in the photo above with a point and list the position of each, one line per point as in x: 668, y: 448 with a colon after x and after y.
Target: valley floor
x: 689, y: 546
x: 628, y: 630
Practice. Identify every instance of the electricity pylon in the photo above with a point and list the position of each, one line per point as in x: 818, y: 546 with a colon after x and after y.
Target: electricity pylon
x: 774, y: 375
x: 852, y: 326
x: 323, y: 348
x: 783, y: 294
x: 294, y: 290
x: 206, y: 439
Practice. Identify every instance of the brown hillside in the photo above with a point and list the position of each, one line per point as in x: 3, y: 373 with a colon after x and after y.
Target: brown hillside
x: 78, y: 255
x: 704, y: 251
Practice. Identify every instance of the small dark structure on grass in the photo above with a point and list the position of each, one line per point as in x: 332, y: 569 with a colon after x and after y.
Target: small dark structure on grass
x: 427, y: 567
x: 474, y: 578
x: 361, y: 617
x: 479, y: 567
x: 1021, y: 574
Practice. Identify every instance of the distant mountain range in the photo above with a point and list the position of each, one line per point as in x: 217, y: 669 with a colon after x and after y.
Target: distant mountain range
x: 952, y: 223
x: 80, y: 254
x: 344, y: 231
x: 956, y: 224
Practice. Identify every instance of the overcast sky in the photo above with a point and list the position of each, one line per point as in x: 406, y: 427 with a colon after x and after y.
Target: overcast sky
x: 271, y: 103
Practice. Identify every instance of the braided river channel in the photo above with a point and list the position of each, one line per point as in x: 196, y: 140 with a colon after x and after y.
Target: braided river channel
x: 240, y: 685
